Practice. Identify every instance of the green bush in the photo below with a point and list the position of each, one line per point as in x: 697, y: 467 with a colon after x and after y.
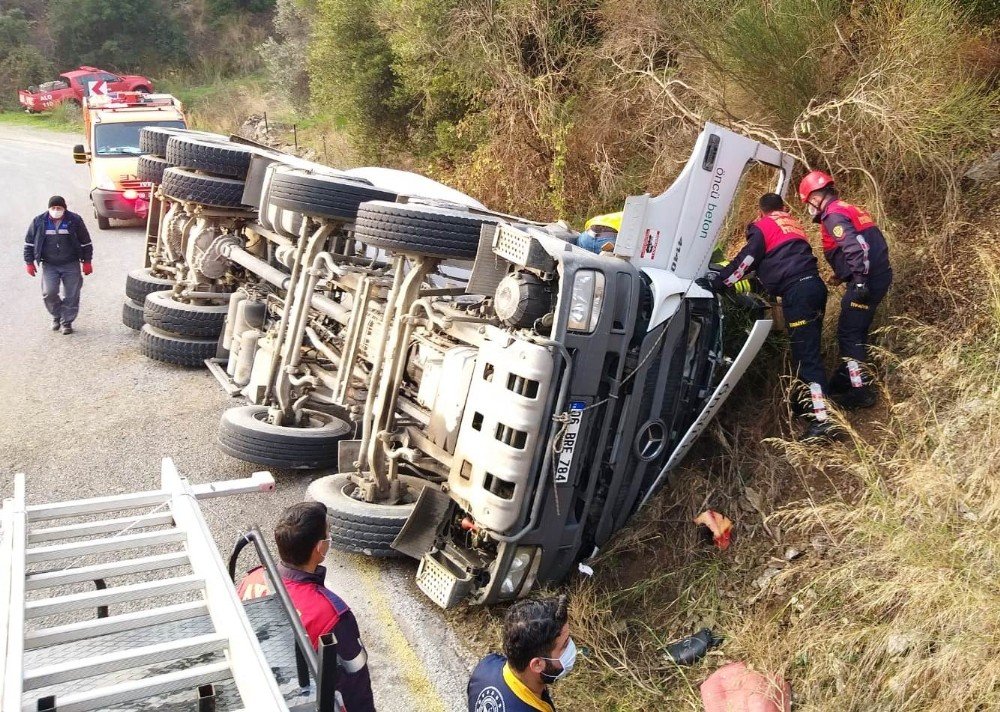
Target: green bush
x: 140, y: 35
x: 21, y: 64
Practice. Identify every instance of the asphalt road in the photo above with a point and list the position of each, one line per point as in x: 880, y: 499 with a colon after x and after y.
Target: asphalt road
x: 86, y: 415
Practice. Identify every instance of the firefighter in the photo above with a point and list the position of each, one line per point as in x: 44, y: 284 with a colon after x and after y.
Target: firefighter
x: 303, y: 538
x: 778, y: 251
x: 857, y: 251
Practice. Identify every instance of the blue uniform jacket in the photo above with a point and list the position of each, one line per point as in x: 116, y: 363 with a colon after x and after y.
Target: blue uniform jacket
x: 493, y: 687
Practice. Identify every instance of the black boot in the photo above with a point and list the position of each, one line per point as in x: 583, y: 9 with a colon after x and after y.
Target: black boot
x: 55, y: 323
x: 863, y: 397
x: 820, y: 431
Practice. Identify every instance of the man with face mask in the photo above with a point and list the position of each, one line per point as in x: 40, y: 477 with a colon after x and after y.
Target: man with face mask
x: 537, y: 651
x: 58, y: 240
x: 857, y: 251
x: 303, y: 538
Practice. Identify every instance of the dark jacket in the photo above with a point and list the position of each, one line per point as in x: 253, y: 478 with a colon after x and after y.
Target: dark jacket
x: 74, y: 247
x: 852, y: 242
x: 777, y: 250
x: 493, y: 686
x: 322, y: 611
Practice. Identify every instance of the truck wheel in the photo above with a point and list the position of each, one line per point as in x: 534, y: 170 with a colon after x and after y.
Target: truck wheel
x: 178, y: 350
x: 222, y: 159
x: 361, y: 527
x: 132, y: 315
x: 150, y: 168
x: 140, y: 282
x: 187, y: 186
x: 245, y: 434
x: 153, y: 139
x: 162, y: 311
x: 322, y: 196
x: 418, y: 229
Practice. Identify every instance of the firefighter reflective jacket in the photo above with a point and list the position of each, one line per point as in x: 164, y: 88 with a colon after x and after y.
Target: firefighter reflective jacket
x: 777, y: 250
x: 322, y: 611
x: 852, y: 243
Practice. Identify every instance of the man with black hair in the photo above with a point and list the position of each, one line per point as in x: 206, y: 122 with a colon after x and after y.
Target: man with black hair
x: 58, y: 240
x: 303, y: 538
x: 537, y: 651
x: 778, y: 251
x: 859, y: 255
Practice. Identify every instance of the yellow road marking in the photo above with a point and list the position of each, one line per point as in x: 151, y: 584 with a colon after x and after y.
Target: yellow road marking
x: 404, y: 659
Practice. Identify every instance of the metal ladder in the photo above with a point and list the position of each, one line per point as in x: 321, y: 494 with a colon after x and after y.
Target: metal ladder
x: 172, y: 517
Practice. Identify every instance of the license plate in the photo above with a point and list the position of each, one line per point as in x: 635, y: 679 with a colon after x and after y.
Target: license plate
x: 569, y: 438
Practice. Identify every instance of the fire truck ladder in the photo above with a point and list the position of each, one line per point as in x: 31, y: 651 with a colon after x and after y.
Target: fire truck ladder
x: 54, y: 667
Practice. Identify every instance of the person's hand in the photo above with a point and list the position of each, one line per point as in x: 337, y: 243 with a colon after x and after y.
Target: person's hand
x: 859, y: 292
x: 710, y: 281
x: 88, y: 268
x: 833, y: 280
x: 30, y: 267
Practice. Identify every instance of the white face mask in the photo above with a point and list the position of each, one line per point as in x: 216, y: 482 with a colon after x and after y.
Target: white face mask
x: 567, y: 660
x: 57, y: 213
x: 813, y: 210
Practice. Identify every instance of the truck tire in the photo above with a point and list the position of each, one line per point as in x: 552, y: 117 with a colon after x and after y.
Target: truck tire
x: 418, y: 229
x: 322, y: 196
x: 231, y: 160
x: 178, y: 350
x: 132, y: 314
x: 103, y: 223
x: 245, y: 434
x: 361, y: 527
x: 153, y: 139
x: 162, y: 311
x: 150, y: 168
x: 140, y: 282
x: 187, y: 186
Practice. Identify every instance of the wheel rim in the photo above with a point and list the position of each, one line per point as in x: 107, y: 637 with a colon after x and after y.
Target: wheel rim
x: 350, y: 490
x: 314, y: 420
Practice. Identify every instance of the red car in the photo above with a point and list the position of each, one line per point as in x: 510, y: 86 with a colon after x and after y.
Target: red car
x: 74, y: 85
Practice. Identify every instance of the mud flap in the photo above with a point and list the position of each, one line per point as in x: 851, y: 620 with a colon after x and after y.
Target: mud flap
x: 755, y: 340
x: 417, y: 536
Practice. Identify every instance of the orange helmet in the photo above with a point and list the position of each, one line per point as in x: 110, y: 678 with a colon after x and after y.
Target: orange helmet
x: 814, y: 180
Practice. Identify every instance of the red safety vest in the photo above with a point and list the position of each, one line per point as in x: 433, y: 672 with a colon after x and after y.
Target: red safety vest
x: 861, y: 219
x: 778, y: 228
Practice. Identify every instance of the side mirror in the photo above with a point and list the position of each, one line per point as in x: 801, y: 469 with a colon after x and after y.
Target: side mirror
x: 80, y: 154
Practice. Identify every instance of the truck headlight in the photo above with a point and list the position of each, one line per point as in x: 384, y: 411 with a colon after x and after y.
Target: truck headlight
x: 517, y: 572
x: 586, y: 300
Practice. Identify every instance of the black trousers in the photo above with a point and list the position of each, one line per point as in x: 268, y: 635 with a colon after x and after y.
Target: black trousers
x: 853, y: 327
x: 804, y: 304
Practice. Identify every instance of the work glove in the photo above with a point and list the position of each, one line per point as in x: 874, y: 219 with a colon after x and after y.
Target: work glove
x: 88, y: 268
x: 859, y: 292
x: 710, y: 281
x: 30, y: 266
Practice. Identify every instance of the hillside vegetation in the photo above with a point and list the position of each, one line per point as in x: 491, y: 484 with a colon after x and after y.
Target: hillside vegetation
x: 864, y: 572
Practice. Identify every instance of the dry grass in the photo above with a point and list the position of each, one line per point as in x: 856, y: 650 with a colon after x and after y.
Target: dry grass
x: 891, y: 602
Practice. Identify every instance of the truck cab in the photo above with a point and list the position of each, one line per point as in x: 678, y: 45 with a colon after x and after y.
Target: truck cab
x: 111, y: 149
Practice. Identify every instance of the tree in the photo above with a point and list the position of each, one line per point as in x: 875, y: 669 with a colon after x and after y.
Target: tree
x: 122, y: 34
x: 21, y: 64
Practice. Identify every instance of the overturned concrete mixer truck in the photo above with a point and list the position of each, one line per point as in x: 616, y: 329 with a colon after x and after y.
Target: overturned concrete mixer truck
x: 493, y: 400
